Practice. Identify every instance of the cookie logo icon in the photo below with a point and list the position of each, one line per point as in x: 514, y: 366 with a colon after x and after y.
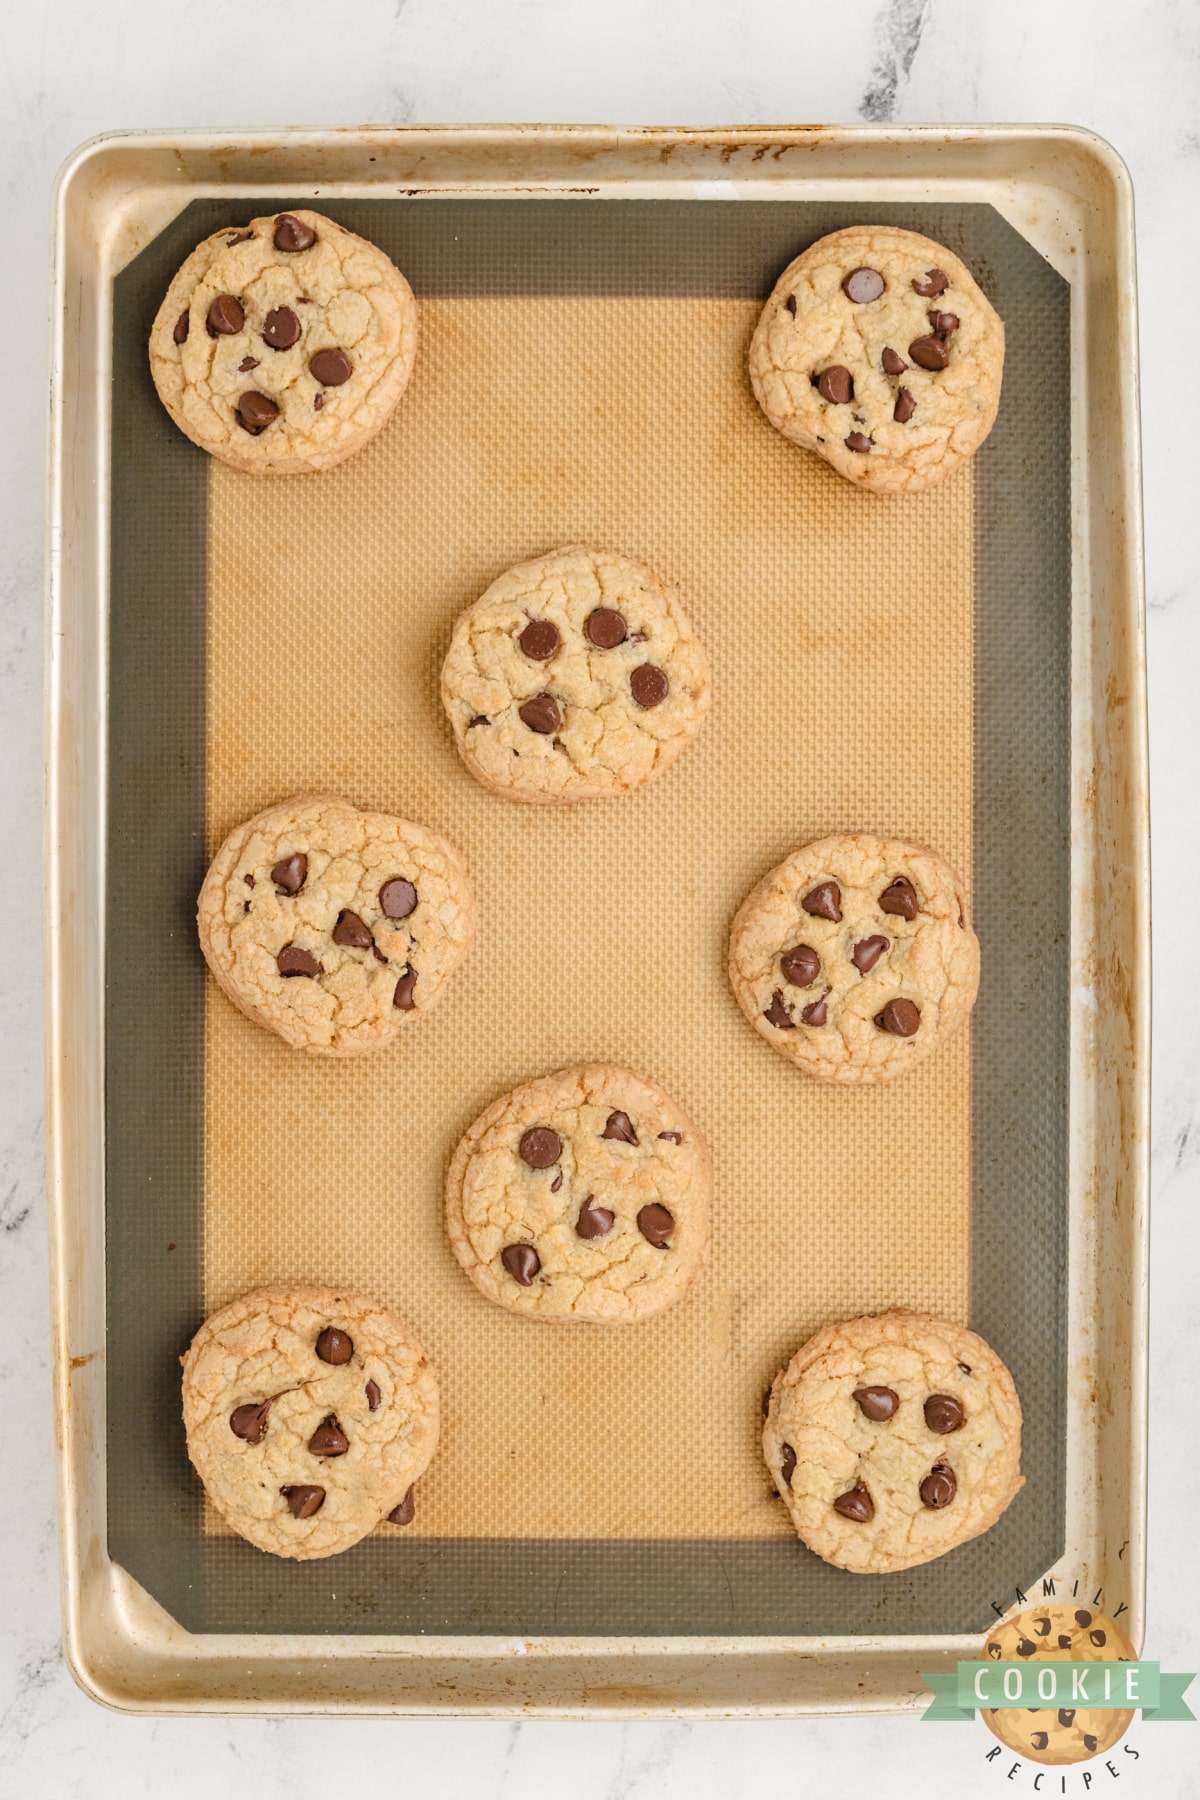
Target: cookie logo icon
x: 1062, y: 1633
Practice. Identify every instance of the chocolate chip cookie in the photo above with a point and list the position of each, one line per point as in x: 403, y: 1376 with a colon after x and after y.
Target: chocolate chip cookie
x: 878, y: 351
x: 309, y: 1413
x: 332, y: 926
x: 1059, y: 1632
x: 893, y: 1439
x: 584, y: 1195
x: 573, y: 677
x: 855, y: 958
x: 284, y: 345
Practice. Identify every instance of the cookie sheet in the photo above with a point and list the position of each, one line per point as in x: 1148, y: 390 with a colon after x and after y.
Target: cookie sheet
x: 896, y: 665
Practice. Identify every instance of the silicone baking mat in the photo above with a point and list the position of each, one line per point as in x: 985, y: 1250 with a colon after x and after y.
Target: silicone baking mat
x: 898, y: 665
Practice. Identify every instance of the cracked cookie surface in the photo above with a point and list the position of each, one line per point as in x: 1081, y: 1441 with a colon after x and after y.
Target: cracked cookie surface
x: 878, y: 350
x: 285, y: 344
x: 855, y: 958
x: 333, y: 926
x: 581, y: 1196
x: 309, y: 1413
x: 893, y: 1439
x: 575, y: 676
x: 1058, y: 1631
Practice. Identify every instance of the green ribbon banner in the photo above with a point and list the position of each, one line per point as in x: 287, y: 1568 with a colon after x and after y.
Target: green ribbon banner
x: 1096, y: 1686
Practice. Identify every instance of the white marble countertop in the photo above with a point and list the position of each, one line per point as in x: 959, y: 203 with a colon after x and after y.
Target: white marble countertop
x: 69, y: 70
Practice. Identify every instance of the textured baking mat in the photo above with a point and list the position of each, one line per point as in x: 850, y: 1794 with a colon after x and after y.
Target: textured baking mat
x: 901, y: 666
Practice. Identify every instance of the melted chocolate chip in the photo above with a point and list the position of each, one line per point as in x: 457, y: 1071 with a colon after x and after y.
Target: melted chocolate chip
x: 777, y: 1013
x: 331, y: 367
x: 836, y: 385
x: 672, y: 1137
x: 377, y: 953
x: 893, y: 362
x: 655, y: 1224
x: 935, y: 283
x: 540, y: 1148
x: 824, y: 901
x: 541, y: 714
x: 318, y: 402
x: 593, y: 1221
x: 247, y: 363
x: 303, y: 1502
x: 225, y: 316
x: 557, y: 1182
x: 649, y: 685
x: 939, y: 1487
x: 800, y: 966
x: 291, y: 874
x: 249, y: 880
x: 182, y: 326
x: 397, y: 897
x: 620, y: 1126
x: 944, y: 324
x: 863, y: 285
x: 904, y: 408
x: 815, y: 1013
x: 790, y: 304
x: 374, y: 1397
x: 404, y: 1513
x: 787, y: 1461
x: 294, y: 960
x: 281, y: 328
x: 930, y: 353
x: 867, y: 952
x: 859, y: 443
x: 255, y: 412
x: 876, y: 1403
x: 856, y: 1504
x: 605, y: 628
x: 900, y: 1017
x: 335, y: 1347
x: 293, y: 234
x: 403, y: 996
x: 351, y: 931
x: 944, y: 1414
x: 328, y: 1439
x: 249, y: 1422
x: 522, y: 1262
x: 540, y: 640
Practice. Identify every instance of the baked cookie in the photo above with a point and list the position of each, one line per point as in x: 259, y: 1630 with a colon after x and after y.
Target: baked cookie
x: 893, y: 1439
x: 584, y: 1195
x: 855, y: 957
x: 574, y: 676
x: 878, y: 351
x: 309, y: 1413
x: 1059, y: 1632
x: 333, y: 926
x: 284, y: 345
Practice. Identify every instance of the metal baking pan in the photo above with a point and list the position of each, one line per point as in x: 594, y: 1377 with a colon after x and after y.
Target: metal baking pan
x: 160, y: 1611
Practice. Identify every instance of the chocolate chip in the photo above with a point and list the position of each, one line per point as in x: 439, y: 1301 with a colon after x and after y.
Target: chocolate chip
x: 1039, y: 1740
x: 539, y: 640
x: 867, y: 952
x: 249, y: 1422
x: 939, y: 1487
x: 790, y: 304
x: 479, y: 719
x: 655, y: 1224
x: 249, y: 880
x: 1083, y: 1619
x: 397, y: 897
x: 672, y: 1137
x: 238, y: 237
x: 893, y: 362
x: 620, y: 1126
x: 994, y: 1650
x: 335, y: 1347
x: 540, y: 1148
x: 182, y: 327
x: 857, y: 1504
x: 904, y: 408
x: 293, y: 234
x: 863, y: 285
x: 403, y: 996
x: 291, y: 874
x: 1090, y: 1742
x: 1042, y: 1627
x: 800, y: 966
x: 318, y: 402
x: 374, y: 1397
x: 541, y: 714
x: 328, y: 1439
x: 557, y: 1182
x: 255, y: 412
x: 294, y: 960
x: 351, y: 931
x: 605, y: 628
x: 522, y: 1262
x: 900, y: 1017
x: 857, y: 442
x: 247, y: 363
x: 935, y: 283
x: 836, y: 385
x: 649, y: 685
x: 945, y: 324
x: 787, y: 1459
x: 965, y: 1367
x: 303, y: 1502
x: 824, y: 901
x: 777, y: 1013
x: 281, y: 328
x: 929, y: 352
x: 404, y: 1513
x: 377, y: 953
x: 1064, y: 1642
x: 1026, y: 1648
x: 876, y: 1403
x: 944, y: 1414
x: 331, y: 367
x: 815, y: 1013
x: 593, y: 1221
x: 1099, y: 1638
x: 225, y: 316
x: 1066, y: 1714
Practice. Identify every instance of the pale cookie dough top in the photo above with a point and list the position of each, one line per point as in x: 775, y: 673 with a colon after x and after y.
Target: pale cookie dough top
x: 878, y: 351
x: 855, y: 957
x: 333, y: 926
x: 574, y: 676
x: 276, y: 358
x: 926, y: 1456
x: 284, y: 1366
x: 584, y: 1195
x: 1059, y: 1631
